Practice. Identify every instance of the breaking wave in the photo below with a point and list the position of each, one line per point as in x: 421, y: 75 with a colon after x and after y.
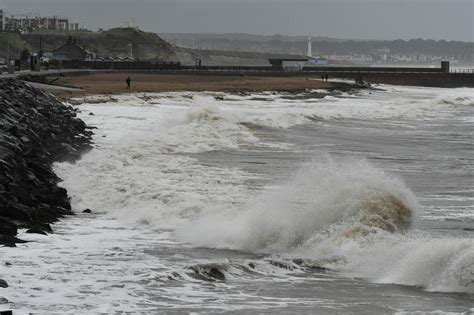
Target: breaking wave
x: 346, y: 216
x: 458, y: 101
x: 350, y: 195
x: 206, y: 128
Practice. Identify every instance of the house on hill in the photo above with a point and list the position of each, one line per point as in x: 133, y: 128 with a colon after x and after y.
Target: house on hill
x: 71, y: 51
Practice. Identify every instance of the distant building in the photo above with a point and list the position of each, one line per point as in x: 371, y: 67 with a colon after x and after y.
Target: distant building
x: 71, y: 51
x: 288, y: 63
x: 28, y: 23
x: 74, y: 27
x: 317, y: 62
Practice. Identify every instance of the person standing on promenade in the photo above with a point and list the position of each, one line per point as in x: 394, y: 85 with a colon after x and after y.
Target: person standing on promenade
x: 326, y: 76
x: 128, y: 80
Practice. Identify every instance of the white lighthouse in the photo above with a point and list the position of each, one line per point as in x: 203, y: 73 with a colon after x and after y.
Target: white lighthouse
x: 310, y: 49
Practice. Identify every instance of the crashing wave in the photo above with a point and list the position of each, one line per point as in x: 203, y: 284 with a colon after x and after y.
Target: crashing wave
x: 386, y: 212
x: 458, y: 101
x: 352, y: 196
x: 345, y: 216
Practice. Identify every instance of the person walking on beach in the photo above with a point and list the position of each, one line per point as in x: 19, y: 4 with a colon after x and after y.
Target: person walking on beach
x: 326, y: 76
x: 128, y: 80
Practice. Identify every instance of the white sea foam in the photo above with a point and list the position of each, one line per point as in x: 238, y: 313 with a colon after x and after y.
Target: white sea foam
x: 139, y: 173
x: 322, y: 194
x: 343, y: 214
x: 320, y: 215
x: 276, y: 111
x: 310, y: 215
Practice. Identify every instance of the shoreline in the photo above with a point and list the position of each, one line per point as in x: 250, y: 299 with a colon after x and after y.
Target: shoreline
x: 67, y: 87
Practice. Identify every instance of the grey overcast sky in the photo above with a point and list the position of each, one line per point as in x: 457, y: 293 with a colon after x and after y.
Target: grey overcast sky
x: 350, y: 19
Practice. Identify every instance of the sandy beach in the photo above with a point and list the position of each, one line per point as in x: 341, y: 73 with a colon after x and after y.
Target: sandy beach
x: 114, y: 83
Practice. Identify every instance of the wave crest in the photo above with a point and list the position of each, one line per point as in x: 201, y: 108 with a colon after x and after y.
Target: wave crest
x: 458, y: 101
x: 385, y: 212
x: 353, y: 198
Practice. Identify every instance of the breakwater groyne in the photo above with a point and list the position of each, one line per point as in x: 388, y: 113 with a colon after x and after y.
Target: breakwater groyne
x: 36, y: 130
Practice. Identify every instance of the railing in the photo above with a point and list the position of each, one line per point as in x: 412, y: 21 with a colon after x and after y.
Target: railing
x: 355, y: 70
x: 173, y: 67
x: 119, y: 65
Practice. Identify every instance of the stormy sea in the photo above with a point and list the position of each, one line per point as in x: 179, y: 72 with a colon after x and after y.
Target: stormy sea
x: 323, y: 202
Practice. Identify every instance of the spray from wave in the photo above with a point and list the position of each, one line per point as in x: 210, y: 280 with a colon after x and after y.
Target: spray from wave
x: 346, y: 216
x: 348, y: 194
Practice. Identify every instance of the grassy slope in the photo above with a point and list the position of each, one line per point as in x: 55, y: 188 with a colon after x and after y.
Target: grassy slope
x: 15, y: 42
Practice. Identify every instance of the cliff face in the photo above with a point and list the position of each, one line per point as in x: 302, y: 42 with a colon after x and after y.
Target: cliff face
x: 35, y: 131
x: 114, y: 43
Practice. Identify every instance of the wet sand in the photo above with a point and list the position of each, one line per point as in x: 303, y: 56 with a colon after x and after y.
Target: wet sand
x: 114, y: 83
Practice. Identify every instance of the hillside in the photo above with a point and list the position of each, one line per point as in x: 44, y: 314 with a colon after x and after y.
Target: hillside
x: 12, y: 44
x: 114, y: 42
x: 391, y: 51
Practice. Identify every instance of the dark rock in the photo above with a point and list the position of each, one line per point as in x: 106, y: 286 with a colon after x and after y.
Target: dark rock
x: 36, y: 130
x: 7, y: 227
x: 87, y: 211
x: 207, y: 273
x: 4, y: 301
x: 45, y: 227
x: 216, y: 274
x: 36, y: 230
x: 3, y: 284
x: 16, y: 211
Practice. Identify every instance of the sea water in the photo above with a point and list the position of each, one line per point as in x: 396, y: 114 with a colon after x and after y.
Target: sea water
x: 328, y: 203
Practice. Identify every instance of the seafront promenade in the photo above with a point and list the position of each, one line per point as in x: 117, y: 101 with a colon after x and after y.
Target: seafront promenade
x: 409, y: 76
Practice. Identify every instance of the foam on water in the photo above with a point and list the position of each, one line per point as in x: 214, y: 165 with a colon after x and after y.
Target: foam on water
x: 322, y: 194
x: 148, y: 190
x: 346, y: 216
x: 279, y: 111
x: 140, y: 174
x: 333, y: 211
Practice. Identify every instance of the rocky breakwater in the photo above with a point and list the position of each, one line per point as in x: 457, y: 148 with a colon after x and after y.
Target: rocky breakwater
x: 36, y: 130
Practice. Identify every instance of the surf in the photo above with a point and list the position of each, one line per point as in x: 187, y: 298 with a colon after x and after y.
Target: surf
x: 347, y: 216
